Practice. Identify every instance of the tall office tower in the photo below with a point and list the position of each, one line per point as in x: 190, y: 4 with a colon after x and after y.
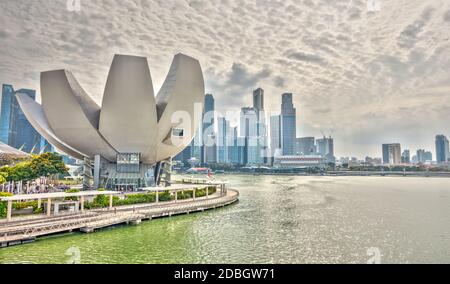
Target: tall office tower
x: 209, y: 150
x: 237, y: 148
x: 406, y: 157
x: 392, y: 154
x: 263, y: 140
x: 288, y: 125
x: 424, y: 156
x: 15, y: 130
x: 258, y: 99
x: 325, y: 147
x: 249, y: 130
x: 275, y: 133
x: 306, y: 146
x: 5, y: 115
x: 21, y: 134
x: 428, y: 156
x: 223, y: 134
x: 442, y: 149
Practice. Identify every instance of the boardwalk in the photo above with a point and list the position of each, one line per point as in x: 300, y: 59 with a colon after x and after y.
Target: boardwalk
x: 24, y: 230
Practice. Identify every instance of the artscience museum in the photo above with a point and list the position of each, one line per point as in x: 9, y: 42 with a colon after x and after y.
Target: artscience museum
x: 128, y: 141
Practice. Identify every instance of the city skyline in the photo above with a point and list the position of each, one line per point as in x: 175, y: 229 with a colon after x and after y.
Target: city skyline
x: 368, y: 77
x: 262, y: 135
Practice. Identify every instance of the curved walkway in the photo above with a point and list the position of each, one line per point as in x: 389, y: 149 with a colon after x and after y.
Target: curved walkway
x: 24, y: 230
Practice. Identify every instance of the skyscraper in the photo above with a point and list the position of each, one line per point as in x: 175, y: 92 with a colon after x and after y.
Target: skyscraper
x: 406, y: 157
x: 306, y: 146
x: 15, y: 129
x: 237, y: 148
x: 288, y: 125
x: 258, y: 99
x: 209, y: 151
x: 424, y: 156
x: 392, y: 154
x: 21, y: 134
x: 5, y: 115
x: 249, y: 130
x: 275, y: 133
x: 222, y: 140
x: 325, y: 147
x: 442, y: 149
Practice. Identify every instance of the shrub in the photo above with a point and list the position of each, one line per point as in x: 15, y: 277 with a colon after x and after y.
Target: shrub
x: 4, y: 204
x: 72, y: 198
x: 185, y: 194
x: 165, y: 196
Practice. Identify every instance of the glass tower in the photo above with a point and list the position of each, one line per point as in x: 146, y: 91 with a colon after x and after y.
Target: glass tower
x: 15, y: 129
x: 5, y: 115
x: 288, y: 125
x: 222, y: 140
x: 209, y: 148
x: 22, y: 135
x: 442, y: 149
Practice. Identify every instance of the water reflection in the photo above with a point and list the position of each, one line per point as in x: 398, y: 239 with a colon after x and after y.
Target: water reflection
x: 280, y: 219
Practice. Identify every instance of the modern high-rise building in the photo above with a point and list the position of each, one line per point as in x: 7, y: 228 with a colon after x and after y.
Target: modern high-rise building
x: 249, y: 130
x: 22, y: 135
x: 306, y: 146
x: 223, y: 133
x: 258, y: 99
x: 262, y: 130
x: 5, y: 115
x: 209, y: 151
x: 275, y: 133
x: 424, y: 156
x: 442, y: 149
x: 406, y: 157
x: 15, y: 129
x: 288, y: 125
x: 325, y: 148
x: 392, y: 154
x: 237, y: 148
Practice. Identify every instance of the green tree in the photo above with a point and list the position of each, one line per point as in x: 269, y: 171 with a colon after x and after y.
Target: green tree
x: 22, y: 172
x: 48, y: 164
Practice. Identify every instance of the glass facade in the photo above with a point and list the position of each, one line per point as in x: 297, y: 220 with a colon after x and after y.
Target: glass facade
x: 22, y: 135
x: 128, y: 163
x: 288, y: 125
x: 5, y: 115
x: 442, y: 149
x: 15, y: 129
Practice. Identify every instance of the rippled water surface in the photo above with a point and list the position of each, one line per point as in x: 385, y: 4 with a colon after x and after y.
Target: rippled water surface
x: 279, y: 219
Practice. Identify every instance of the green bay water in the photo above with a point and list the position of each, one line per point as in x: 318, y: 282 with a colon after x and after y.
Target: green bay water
x: 279, y: 219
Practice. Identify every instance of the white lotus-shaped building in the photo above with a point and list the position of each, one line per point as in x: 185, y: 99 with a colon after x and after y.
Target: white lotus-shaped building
x: 132, y: 130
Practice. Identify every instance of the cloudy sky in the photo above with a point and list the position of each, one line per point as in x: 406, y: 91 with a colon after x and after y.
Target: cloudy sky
x: 363, y: 75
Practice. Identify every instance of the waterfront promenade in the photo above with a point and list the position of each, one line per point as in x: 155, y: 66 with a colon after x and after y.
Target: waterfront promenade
x: 22, y: 230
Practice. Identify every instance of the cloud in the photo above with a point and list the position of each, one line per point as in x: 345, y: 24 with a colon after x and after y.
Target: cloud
x: 376, y: 74
x: 302, y: 56
x: 409, y: 36
x: 447, y: 16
